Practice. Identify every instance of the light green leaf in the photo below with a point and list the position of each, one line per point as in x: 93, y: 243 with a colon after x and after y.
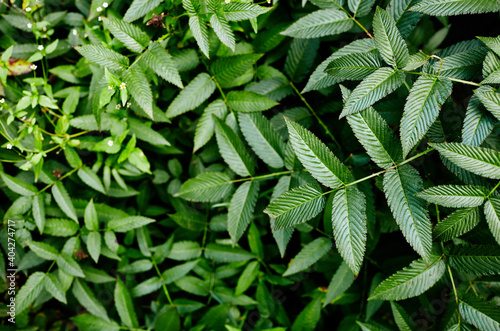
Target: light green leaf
x: 247, y: 102
x: 87, y: 299
x: 64, y: 201
x: 309, y: 255
x: 148, y: 286
x: 60, y: 227
x: 482, y: 314
x: 128, y: 223
x: 411, y: 281
x: 69, y: 265
x: 492, y: 213
x: 355, y: 66
x: 90, y: 217
x: 94, y: 323
x: 360, y: 8
x: 200, y: 33
x: 389, y: 42
x: 145, y: 133
x: 195, y: 93
x: 422, y: 108
x: 52, y: 284
x: 138, y: 87
x: 29, y: 291
x: 349, y: 225
x: 490, y: 99
x: 241, y: 209
x: 462, y: 65
x: 478, y: 160
x: 124, y: 305
x: 206, y: 187
x: 456, y: 7
x: 97, y: 276
x: 139, y: 8
x: 240, y: 11
x: 401, y: 317
x: 341, y: 281
x: 456, y: 224
x: 455, y: 196
x: 185, y: 250
x: 205, y: 127
x: 475, y: 259
x: 43, y: 250
x: 410, y: 212
x: 309, y: 316
x: 91, y: 179
x: 319, y: 24
x: 94, y: 245
x: 38, y: 211
x: 225, y: 254
x: 177, y: 272
x: 104, y: 56
x: 130, y: 35
x: 232, y: 150
x: 477, y: 124
x: 223, y: 30
x: 137, y: 267
x: 247, y: 277
x: 161, y: 62
x: 229, y: 69
x: 18, y: 186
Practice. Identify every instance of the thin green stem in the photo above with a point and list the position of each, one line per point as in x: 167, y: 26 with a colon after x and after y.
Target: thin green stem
x: 450, y: 78
x: 162, y: 283
x: 263, y: 176
x: 315, y: 115
x: 223, y: 94
x: 69, y: 173
x: 453, y: 283
x: 494, y: 189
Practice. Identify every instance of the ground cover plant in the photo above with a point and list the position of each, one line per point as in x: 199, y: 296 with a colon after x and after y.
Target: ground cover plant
x: 238, y: 165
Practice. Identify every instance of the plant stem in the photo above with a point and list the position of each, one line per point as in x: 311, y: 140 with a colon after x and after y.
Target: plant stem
x: 494, y: 189
x: 452, y: 79
x: 453, y: 284
x: 223, y: 94
x: 315, y: 115
x: 162, y: 283
x: 261, y: 177
x: 69, y: 173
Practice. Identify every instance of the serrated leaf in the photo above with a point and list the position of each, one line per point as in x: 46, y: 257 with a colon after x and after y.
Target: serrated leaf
x: 139, y: 8
x: 490, y: 99
x: 456, y: 224
x: 205, y: 128
x: 104, y: 57
x: 145, y: 133
x: 161, y: 62
x: 228, y: 69
x: 223, y: 30
x: 349, y: 225
x: 138, y: 87
x: 455, y: 196
x: 38, y: 211
x: 422, y: 108
x: 177, y: 272
x: 260, y: 135
x: 309, y: 255
x: 200, y: 33
x: 239, y: 11
x: 482, y: 314
x: 492, y: 213
x: 124, y: 305
x: 390, y: 44
x: 475, y: 259
x: 354, y: 66
x: 401, y: 317
x: 130, y: 35
x: 462, y: 65
x: 247, y: 102
x: 456, y: 7
x: 52, y: 285
x: 18, y: 186
x: 60, y: 227
x: 91, y: 179
x: 128, y: 223
x: 185, y: 250
x: 94, y: 245
x: 206, y: 187
x: 241, y: 209
x: 373, y: 88
x: 478, y: 160
x: 29, y: 291
x: 247, y: 277
x: 341, y: 280
x: 148, y: 286
x: 225, y: 254
x: 195, y: 93
x: 477, y: 124
x: 232, y: 150
x: 317, y: 158
x: 97, y: 276
x: 275, y: 88
x: 137, y: 267
x: 309, y: 316
x: 90, y: 217
x: 319, y: 24
x: 94, y: 323
x: 410, y: 212
x: 64, y: 201
x: 87, y: 299
x: 491, y: 66
x: 300, y: 57
x: 296, y: 206
x: 43, y: 250
x: 405, y: 19
x: 411, y: 281
x: 69, y: 265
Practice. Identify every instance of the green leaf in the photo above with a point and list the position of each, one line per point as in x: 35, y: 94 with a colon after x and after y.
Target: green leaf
x: 455, y: 196
x: 137, y: 267
x: 462, y: 65
x: 145, y: 133
x: 87, y: 299
x: 247, y: 277
x: 138, y: 87
x: 90, y: 217
x: 410, y: 212
x: 300, y: 58
x: 309, y: 255
x: 275, y: 88
x: 96, y: 275
x: 18, y: 186
x: 139, y: 8
x: 405, y: 19
x: 482, y: 314
x: 64, y: 201
x: 476, y: 259
x: 225, y: 254
x: 104, y: 56
x: 390, y: 44
x: 456, y: 224
x: 477, y: 124
x: 247, y: 102
x: 169, y: 320
x: 130, y: 35
x: 401, y: 317
x: 490, y: 99
x: 373, y: 88
x: 422, y: 108
x: 195, y: 93
x: 69, y: 265
x: 309, y: 316
x: 94, y: 323
x: 319, y: 24
x: 241, y: 209
x: 52, y: 284
x: 129, y: 223
x: 240, y: 11
x: 91, y: 179
x: 411, y: 281
x: 38, y: 211
x: 124, y: 305
x: 60, y: 227
x: 161, y: 62
x: 29, y: 291
x: 185, y: 250
x: 340, y: 282
x: 296, y: 206
x: 228, y: 69
x: 232, y: 150
x: 456, y: 7
x: 478, y: 160
x: 360, y: 8
x: 263, y: 139
x: 223, y: 30
x: 206, y: 187
x: 146, y: 287
x: 43, y: 250
x: 200, y: 33
x: 317, y: 158
x: 492, y: 213
x: 205, y: 127
x: 492, y: 42
x: 354, y: 66
x: 177, y: 272
x: 94, y: 245
x: 349, y: 225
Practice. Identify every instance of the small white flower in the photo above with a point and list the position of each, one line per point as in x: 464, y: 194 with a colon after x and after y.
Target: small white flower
x: 9, y: 146
x: 99, y: 9
x: 268, y: 1
x: 110, y: 143
x: 40, y: 47
x: 28, y: 9
x: 75, y: 32
x: 110, y: 87
x: 123, y: 85
x: 128, y: 104
x: 118, y: 107
x: 29, y: 25
x: 33, y: 67
x: 2, y: 100
x: 99, y: 18
x: 105, y: 5
x: 228, y: 1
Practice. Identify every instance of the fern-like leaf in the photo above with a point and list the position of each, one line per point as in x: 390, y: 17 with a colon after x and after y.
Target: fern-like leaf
x: 354, y: 66
x: 319, y: 24
x: 455, y: 196
x: 360, y: 8
x: 490, y: 99
x: 405, y: 19
x: 200, y: 33
x: 389, y: 42
x: 205, y: 127
x: 300, y: 57
x: 456, y: 7
x: 475, y: 259
x: 482, y: 314
x: 401, y: 317
x: 456, y: 224
x: 195, y: 93
x: 206, y: 187
x: 104, y: 57
x: 228, y: 69
x: 130, y: 35
x: 161, y: 62
x: 492, y: 213
x: 247, y: 102
x: 241, y: 209
x: 138, y: 86
x: 309, y: 255
x: 478, y: 124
